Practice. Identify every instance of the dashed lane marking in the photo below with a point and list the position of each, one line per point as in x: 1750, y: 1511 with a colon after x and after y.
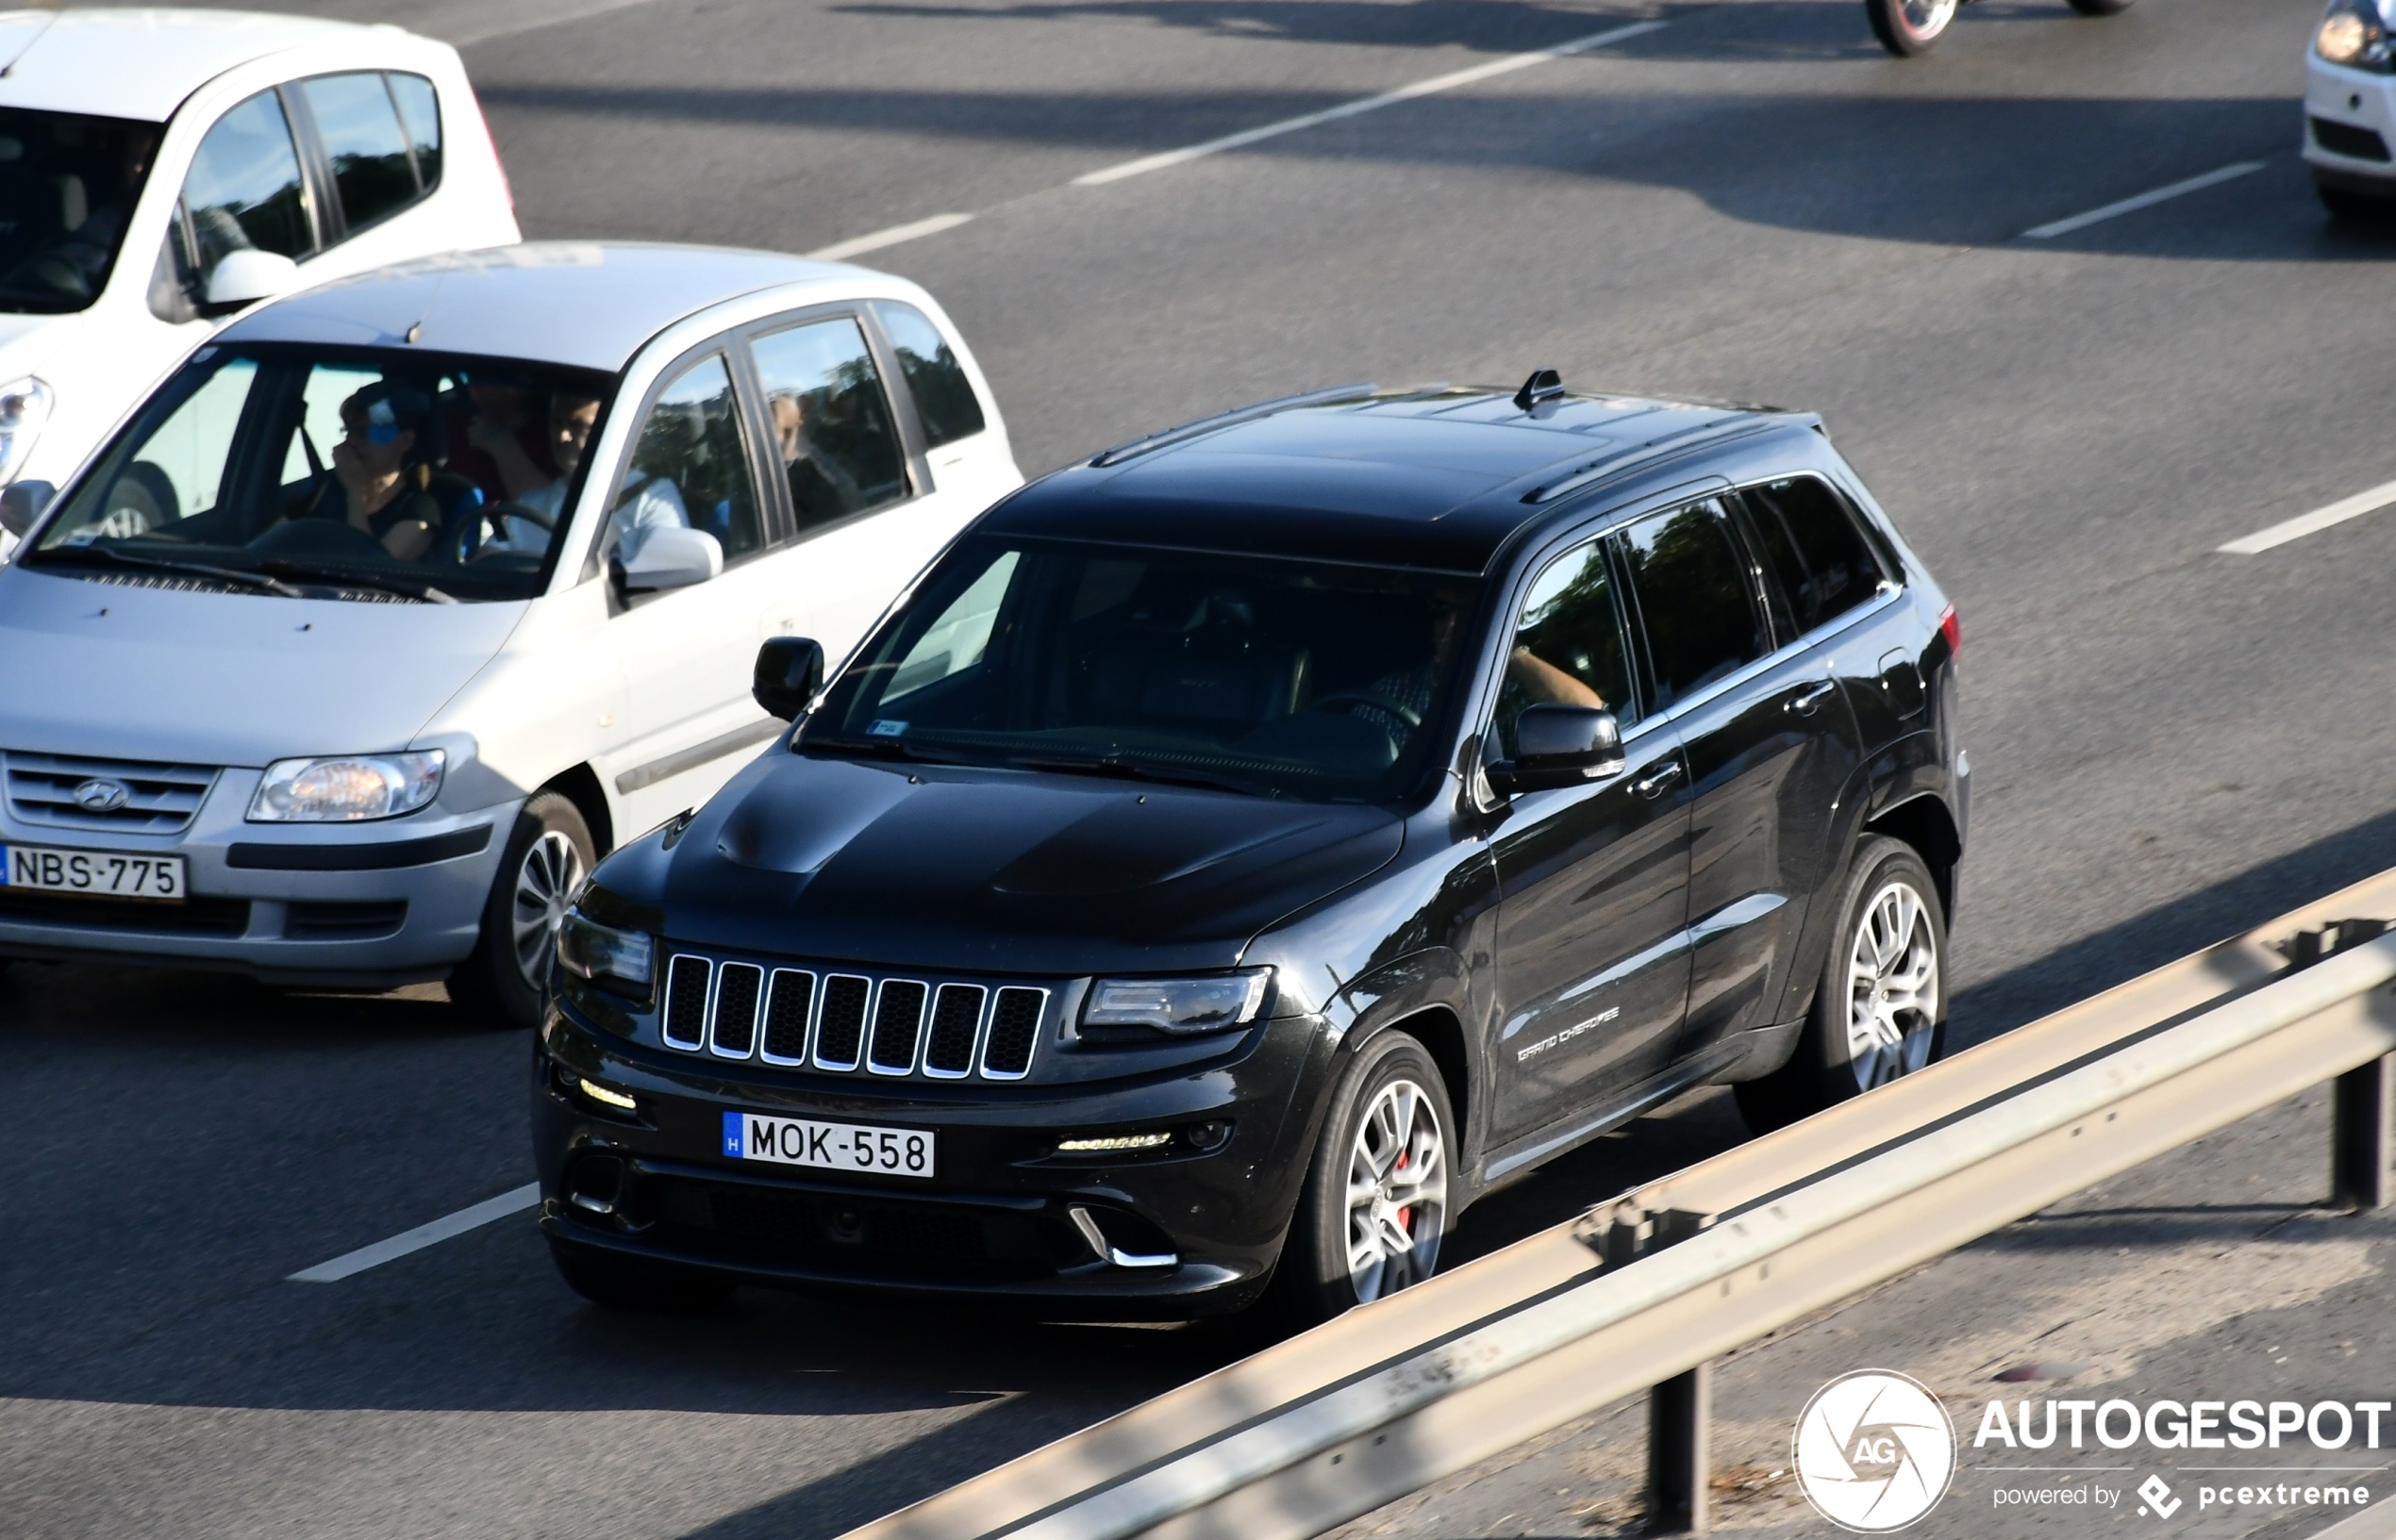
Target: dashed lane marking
x: 423, y: 1235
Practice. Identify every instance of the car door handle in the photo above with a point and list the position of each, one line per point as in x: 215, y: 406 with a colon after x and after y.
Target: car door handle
x: 1654, y: 781
x: 1807, y: 702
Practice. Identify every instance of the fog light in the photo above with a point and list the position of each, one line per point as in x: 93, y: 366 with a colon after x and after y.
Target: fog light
x: 1113, y: 1142
x: 601, y: 1094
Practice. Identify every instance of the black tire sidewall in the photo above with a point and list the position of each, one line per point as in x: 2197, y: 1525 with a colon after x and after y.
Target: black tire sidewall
x: 489, y: 983
x: 1878, y: 859
x: 1311, y: 1280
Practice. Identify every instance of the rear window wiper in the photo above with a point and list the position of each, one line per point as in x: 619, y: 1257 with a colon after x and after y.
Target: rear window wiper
x: 1145, y: 770
x: 168, y: 564
x: 407, y: 587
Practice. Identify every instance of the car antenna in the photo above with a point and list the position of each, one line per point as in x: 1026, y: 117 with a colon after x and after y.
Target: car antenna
x: 1543, y: 384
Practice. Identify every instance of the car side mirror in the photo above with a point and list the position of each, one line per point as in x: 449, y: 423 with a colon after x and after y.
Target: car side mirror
x: 672, y: 558
x: 1559, y: 746
x: 21, y: 504
x: 790, y: 672
x: 245, y: 277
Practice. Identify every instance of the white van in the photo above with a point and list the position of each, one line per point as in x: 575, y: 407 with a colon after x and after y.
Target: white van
x: 409, y: 596
x: 163, y: 169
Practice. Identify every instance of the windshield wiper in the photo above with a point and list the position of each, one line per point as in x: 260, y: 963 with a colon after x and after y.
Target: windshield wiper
x: 1145, y: 770
x: 167, y: 564
x: 877, y: 748
x: 401, y: 586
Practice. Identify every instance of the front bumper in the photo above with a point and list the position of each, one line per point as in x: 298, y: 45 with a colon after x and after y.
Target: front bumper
x: 1186, y: 1232
x: 2350, y: 126
x: 359, y: 905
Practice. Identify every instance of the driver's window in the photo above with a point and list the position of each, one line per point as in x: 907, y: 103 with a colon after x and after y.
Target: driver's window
x: 689, y: 469
x: 1567, y: 648
x: 244, y: 192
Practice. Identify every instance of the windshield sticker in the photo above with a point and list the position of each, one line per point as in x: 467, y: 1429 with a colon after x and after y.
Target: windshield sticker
x: 884, y: 727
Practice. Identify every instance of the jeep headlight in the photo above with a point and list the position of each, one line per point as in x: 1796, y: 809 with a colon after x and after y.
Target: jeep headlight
x: 1184, y: 1007
x: 2354, y: 34
x: 621, y: 962
x: 347, y: 788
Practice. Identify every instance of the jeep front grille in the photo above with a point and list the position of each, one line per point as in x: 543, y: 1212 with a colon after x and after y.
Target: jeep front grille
x: 893, y: 1025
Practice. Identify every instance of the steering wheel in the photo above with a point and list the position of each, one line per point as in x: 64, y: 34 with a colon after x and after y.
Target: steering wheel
x: 464, y: 537
x: 1339, y: 699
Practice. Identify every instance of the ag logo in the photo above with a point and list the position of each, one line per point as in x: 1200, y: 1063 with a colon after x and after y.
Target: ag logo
x: 1874, y: 1451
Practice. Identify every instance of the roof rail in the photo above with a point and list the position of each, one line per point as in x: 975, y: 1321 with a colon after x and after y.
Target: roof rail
x: 1135, y: 447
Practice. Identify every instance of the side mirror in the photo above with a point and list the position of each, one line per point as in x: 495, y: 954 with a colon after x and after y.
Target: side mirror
x: 672, y: 558
x: 245, y: 277
x: 1560, y: 746
x: 790, y: 670
x: 21, y: 504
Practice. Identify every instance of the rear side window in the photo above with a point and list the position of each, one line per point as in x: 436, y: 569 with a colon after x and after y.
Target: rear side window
x: 831, y: 423
x: 420, y: 113
x: 244, y: 190
x: 358, y: 122
x: 1812, y: 549
x: 1696, y: 600
x: 944, y: 397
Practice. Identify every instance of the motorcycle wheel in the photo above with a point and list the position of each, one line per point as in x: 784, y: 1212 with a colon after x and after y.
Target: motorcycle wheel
x: 1910, y: 29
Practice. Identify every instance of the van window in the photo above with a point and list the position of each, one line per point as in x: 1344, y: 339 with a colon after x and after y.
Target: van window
x: 244, y: 192
x: 420, y: 111
x: 336, y: 473
x: 358, y: 122
x: 945, y: 398
x: 68, y: 184
x: 831, y: 422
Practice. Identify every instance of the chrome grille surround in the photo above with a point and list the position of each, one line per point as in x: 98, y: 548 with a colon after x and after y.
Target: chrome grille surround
x: 892, y: 1026
x: 161, y: 798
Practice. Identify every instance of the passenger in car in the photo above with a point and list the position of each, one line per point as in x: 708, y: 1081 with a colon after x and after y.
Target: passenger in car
x: 505, y: 430
x: 822, y: 489
x: 1410, y: 689
x: 382, y: 480
x: 646, y: 504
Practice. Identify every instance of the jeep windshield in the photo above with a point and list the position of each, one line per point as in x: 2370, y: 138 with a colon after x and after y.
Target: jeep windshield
x: 372, y: 475
x: 68, y: 184
x: 1251, y: 674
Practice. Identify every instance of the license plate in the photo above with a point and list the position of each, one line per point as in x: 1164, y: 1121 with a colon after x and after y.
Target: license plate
x: 91, y: 874
x: 833, y: 1146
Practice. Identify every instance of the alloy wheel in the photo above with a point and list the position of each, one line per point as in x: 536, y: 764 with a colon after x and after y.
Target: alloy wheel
x: 1893, y: 973
x: 545, y: 886
x: 1925, y: 19
x: 1397, y: 1192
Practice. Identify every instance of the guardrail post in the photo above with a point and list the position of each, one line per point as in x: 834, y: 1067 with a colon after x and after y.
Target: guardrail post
x: 2359, y: 1105
x: 1680, y: 1414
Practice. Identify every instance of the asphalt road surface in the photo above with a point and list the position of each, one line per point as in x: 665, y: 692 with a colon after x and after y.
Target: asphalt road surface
x: 1747, y: 201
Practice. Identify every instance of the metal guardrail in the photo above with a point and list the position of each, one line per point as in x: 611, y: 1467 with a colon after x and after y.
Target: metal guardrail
x: 1645, y: 1290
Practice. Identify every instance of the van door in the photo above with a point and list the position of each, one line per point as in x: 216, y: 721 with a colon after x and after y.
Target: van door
x: 688, y: 653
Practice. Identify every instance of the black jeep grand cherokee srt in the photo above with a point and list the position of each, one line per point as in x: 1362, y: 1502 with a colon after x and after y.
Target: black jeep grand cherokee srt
x: 1237, y: 853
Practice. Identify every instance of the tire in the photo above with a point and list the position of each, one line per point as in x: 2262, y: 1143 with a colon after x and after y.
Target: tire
x: 1390, y: 1114
x: 1864, y: 1029
x: 2100, y: 8
x: 1910, y: 29
x: 627, y: 1283
x: 2359, y: 209
x: 506, y: 982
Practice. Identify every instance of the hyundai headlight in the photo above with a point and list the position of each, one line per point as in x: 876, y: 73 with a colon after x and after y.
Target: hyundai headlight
x: 1184, y: 1007
x: 621, y: 962
x: 348, y: 788
x: 2354, y: 33
x: 24, y: 405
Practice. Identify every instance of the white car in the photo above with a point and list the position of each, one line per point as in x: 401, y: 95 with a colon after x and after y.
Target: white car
x: 409, y: 595
x: 2350, y: 112
x: 161, y: 169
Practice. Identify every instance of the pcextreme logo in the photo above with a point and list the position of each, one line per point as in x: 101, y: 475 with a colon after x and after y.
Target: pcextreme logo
x: 1874, y: 1452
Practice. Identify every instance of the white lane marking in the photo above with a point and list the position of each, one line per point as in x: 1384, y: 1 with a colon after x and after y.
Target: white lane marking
x: 462, y: 23
x: 841, y: 251
x: 2313, y: 522
x: 1348, y: 110
x: 2144, y: 200
x: 422, y: 1237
